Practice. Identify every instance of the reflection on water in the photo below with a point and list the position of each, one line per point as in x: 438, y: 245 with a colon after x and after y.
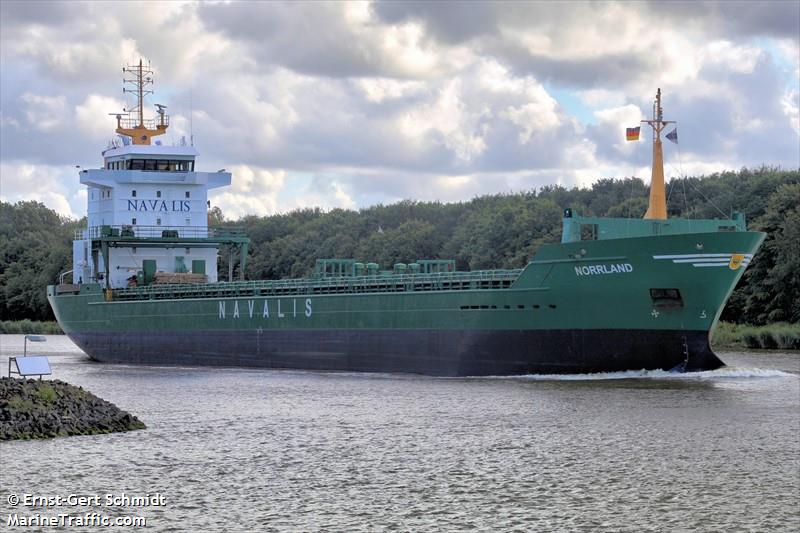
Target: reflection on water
x: 239, y: 449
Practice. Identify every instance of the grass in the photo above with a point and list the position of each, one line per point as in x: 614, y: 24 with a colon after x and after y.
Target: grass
x: 46, y: 393
x: 778, y: 336
x: 17, y: 403
x: 26, y: 326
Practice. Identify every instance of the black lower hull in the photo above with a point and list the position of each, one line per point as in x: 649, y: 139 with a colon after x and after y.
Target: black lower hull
x: 430, y: 352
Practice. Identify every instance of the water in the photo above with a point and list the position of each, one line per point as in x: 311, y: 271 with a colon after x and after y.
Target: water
x: 244, y: 450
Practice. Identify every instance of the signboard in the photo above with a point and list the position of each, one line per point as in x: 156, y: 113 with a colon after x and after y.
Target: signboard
x: 33, y: 365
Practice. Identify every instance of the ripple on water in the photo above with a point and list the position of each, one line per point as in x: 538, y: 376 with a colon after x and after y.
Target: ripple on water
x: 725, y: 372
x: 248, y: 450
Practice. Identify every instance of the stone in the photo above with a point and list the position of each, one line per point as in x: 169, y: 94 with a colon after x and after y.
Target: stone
x: 28, y: 409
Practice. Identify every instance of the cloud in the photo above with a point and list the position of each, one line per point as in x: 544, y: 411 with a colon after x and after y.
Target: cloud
x: 42, y: 183
x: 44, y: 113
x: 347, y: 104
x: 338, y: 38
x: 253, y: 191
x: 92, y: 115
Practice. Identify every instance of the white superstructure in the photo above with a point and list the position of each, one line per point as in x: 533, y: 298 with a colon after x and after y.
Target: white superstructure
x: 147, y: 208
x: 144, y: 191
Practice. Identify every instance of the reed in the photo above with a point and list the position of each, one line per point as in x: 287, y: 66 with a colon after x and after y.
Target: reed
x: 23, y: 327
x: 778, y: 336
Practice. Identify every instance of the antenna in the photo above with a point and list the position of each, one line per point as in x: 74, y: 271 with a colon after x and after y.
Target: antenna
x: 191, y: 117
x: 140, y: 77
x: 160, y: 110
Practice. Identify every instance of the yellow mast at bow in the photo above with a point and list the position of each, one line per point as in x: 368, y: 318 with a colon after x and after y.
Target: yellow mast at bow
x: 657, y: 210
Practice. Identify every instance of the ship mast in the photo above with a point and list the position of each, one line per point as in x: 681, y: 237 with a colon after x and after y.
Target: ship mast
x: 139, y: 129
x: 657, y: 210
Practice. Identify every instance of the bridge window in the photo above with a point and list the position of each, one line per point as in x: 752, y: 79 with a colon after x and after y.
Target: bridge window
x: 158, y: 222
x: 158, y: 194
x: 133, y: 193
x: 156, y: 165
x: 187, y: 194
x: 133, y: 221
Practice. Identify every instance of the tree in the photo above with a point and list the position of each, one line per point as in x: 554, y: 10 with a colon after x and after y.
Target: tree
x: 36, y: 246
x: 492, y: 231
x: 773, y: 282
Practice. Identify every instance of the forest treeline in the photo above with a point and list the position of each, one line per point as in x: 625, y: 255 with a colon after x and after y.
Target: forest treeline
x: 493, y: 231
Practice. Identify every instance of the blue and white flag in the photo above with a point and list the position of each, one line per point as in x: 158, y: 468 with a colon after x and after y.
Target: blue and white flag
x: 673, y: 136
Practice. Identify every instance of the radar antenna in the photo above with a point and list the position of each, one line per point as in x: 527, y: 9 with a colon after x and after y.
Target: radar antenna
x: 135, y: 126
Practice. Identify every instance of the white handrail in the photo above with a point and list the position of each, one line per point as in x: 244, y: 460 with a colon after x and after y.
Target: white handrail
x: 63, y: 275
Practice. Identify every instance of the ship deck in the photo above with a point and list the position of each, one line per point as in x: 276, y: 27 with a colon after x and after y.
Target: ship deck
x: 445, y: 281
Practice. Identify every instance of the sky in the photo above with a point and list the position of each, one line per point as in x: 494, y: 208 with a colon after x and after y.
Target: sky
x: 351, y: 104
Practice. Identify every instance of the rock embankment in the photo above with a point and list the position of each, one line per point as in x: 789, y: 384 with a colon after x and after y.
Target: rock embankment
x: 34, y: 409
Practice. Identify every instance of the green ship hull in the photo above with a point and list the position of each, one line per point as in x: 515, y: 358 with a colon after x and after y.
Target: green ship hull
x: 645, y: 301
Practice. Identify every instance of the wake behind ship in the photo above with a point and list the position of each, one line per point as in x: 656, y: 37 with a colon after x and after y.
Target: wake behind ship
x: 615, y: 294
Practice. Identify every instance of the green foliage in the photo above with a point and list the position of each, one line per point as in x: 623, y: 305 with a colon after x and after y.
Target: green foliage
x: 17, y: 403
x: 781, y: 336
x: 45, y: 393
x: 521, y: 223
x: 35, y: 246
x: 493, y: 231
x: 26, y: 327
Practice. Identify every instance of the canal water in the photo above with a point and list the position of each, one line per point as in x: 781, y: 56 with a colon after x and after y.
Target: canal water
x: 261, y: 450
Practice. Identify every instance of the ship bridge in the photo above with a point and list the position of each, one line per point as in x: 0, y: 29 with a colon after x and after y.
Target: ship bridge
x: 147, y: 208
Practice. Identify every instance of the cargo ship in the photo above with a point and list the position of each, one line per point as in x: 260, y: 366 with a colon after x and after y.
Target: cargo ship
x: 615, y: 294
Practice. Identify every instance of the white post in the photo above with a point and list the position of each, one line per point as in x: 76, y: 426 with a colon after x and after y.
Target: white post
x: 32, y: 338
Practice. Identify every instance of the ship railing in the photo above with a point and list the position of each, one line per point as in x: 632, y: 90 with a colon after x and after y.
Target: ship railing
x: 148, y: 123
x: 477, y: 280
x: 64, y: 275
x: 150, y: 232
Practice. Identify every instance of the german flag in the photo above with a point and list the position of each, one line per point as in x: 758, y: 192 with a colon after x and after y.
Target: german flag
x: 632, y: 134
